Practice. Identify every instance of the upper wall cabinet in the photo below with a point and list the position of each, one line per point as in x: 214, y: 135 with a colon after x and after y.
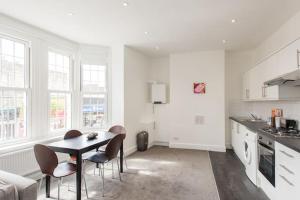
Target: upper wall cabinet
x: 277, y: 65
x: 288, y: 59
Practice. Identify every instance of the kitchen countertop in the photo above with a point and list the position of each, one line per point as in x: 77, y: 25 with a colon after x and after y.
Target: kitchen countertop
x: 292, y: 143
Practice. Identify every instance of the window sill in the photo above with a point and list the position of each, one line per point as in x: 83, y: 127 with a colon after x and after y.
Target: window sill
x: 28, y: 144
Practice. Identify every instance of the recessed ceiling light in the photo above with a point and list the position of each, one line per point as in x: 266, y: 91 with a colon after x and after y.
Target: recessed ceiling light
x: 70, y: 14
x: 125, y: 4
x: 146, y: 32
x: 224, y: 41
x: 233, y: 21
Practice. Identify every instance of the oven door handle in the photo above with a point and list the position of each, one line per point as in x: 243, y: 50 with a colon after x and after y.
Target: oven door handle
x: 267, y: 148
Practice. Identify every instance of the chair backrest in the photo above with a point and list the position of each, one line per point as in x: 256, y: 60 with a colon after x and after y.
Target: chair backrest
x: 72, y: 134
x: 46, y: 158
x: 113, y: 147
x: 118, y: 129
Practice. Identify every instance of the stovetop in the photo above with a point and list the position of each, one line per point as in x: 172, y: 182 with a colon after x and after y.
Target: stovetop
x: 281, y: 132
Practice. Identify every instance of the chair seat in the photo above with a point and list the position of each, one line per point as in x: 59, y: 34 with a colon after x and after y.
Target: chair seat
x: 98, y: 157
x: 64, y: 169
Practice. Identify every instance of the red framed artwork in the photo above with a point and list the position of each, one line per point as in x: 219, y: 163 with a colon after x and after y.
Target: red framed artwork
x: 199, y: 88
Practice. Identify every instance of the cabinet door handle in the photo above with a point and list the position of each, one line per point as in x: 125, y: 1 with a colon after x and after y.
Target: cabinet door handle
x: 287, y: 154
x: 286, y: 169
x: 286, y: 180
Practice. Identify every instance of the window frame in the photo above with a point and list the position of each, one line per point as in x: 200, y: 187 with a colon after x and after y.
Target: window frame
x: 27, y: 89
x: 106, y: 94
x: 69, y: 92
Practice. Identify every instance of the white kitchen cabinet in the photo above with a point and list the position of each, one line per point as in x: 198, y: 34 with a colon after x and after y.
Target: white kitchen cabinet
x: 256, y: 83
x: 233, y: 134
x: 288, y: 59
x: 238, y: 132
x: 246, y: 87
x: 287, y: 172
x: 281, y: 63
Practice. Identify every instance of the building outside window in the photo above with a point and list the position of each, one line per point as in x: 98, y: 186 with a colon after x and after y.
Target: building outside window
x: 14, y: 88
x: 94, y: 95
x: 59, y: 85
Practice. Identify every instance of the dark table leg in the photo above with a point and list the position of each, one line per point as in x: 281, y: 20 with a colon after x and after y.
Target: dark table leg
x: 121, y: 157
x: 48, y: 181
x: 78, y: 176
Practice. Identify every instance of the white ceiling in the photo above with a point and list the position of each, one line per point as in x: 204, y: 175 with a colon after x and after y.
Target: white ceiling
x: 173, y: 25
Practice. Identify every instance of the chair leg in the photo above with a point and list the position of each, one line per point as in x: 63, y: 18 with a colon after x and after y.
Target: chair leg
x: 41, y: 181
x: 103, y: 180
x: 112, y: 170
x: 86, y: 191
x: 59, y: 184
x: 125, y: 161
x: 100, y: 170
x: 119, y: 170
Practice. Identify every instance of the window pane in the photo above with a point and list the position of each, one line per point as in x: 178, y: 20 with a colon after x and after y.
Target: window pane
x: 94, y: 78
x: 93, y: 110
x: 60, y: 111
x: 12, y: 64
x: 12, y: 115
x: 7, y: 47
x: 59, y: 72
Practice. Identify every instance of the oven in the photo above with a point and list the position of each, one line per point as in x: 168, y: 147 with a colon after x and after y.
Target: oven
x: 266, y: 158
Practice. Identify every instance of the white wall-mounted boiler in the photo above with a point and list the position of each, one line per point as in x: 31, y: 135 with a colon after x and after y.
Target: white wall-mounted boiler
x: 158, y: 93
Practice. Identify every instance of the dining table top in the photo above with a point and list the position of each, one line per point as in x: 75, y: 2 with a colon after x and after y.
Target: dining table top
x: 81, y: 144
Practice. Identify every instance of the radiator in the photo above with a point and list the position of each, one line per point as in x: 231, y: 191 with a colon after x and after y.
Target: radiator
x: 22, y: 162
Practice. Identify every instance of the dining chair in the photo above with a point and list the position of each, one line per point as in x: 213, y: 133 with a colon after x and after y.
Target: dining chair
x: 69, y: 135
x: 110, y: 154
x: 116, y: 129
x: 73, y: 158
x: 48, y: 163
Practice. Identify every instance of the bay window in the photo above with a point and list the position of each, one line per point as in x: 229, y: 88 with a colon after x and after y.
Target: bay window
x: 14, y: 88
x: 59, y: 86
x: 94, y: 95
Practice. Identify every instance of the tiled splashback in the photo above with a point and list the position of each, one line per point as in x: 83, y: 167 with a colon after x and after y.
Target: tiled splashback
x: 291, y: 109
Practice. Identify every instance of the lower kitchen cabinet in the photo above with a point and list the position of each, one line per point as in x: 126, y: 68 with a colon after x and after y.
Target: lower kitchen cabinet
x: 238, y: 132
x: 287, y: 173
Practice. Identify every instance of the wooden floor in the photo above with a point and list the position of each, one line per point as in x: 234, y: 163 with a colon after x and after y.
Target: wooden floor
x: 231, y: 179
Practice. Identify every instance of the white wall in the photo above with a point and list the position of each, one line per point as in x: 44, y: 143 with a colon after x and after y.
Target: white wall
x: 185, y: 69
x: 117, y: 84
x: 160, y: 72
x: 237, y: 63
x: 137, y: 109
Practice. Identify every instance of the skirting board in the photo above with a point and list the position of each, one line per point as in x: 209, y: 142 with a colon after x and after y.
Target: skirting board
x: 198, y: 147
x: 159, y: 143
